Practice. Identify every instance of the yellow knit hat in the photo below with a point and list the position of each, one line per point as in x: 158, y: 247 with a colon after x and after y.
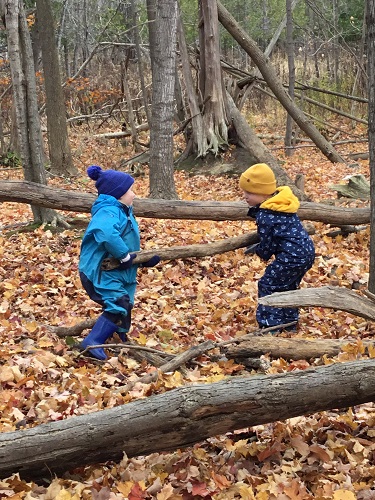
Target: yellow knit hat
x: 258, y: 179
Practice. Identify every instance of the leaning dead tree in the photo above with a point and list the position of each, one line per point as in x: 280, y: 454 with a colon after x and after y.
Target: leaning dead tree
x: 182, y: 417
x: 75, y: 201
x: 274, y: 83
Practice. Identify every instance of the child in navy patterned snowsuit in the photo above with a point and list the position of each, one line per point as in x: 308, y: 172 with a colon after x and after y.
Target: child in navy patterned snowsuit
x: 281, y: 235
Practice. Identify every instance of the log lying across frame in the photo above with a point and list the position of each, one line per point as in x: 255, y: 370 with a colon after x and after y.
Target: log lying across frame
x: 76, y: 201
x: 181, y: 417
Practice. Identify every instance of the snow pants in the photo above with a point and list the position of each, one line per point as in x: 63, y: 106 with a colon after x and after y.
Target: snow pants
x: 280, y: 276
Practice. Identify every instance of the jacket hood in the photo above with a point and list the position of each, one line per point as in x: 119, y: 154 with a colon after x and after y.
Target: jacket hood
x: 283, y: 201
x: 105, y: 200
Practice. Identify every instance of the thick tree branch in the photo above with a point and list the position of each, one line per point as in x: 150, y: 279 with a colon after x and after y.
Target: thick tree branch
x: 330, y: 297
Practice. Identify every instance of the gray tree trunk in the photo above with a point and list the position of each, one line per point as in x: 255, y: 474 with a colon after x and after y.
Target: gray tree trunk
x: 370, y: 22
x: 25, y: 97
x: 131, y: 115
x: 198, y: 142
x: 292, y: 76
x: 57, y: 131
x: 162, y: 16
x: 215, y: 120
x: 137, y: 41
x: 182, y: 417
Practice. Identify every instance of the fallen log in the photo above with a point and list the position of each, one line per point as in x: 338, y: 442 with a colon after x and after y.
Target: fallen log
x: 288, y: 348
x: 181, y: 417
x: 76, y: 201
x: 330, y: 297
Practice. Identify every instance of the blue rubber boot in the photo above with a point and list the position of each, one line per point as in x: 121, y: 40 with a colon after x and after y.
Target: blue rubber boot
x: 102, y: 330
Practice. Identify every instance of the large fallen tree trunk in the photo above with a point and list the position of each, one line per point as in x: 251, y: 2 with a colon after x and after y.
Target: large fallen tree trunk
x: 76, y: 201
x: 182, y: 417
x: 330, y: 297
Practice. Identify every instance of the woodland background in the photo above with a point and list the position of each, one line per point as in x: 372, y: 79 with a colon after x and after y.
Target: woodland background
x: 185, y: 302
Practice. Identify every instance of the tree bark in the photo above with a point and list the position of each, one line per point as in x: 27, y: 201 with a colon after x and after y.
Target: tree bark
x: 162, y: 16
x: 370, y: 24
x: 197, y: 133
x: 290, y: 349
x: 211, y: 82
x: 25, y: 102
x: 357, y: 187
x: 252, y: 345
x: 186, y: 251
x: 75, y: 201
x: 137, y: 41
x: 58, y: 141
x: 270, y: 76
x: 292, y: 76
x: 325, y: 296
x: 182, y: 417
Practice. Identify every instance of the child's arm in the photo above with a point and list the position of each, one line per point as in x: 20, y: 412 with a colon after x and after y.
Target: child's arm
x: 267, y: 245
x: 106, y: 231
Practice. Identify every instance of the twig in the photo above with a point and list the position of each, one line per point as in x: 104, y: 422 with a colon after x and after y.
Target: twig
x: 369, y: 294
x: 126, y: 346
x: 170, y: 366
x: 256, y: 333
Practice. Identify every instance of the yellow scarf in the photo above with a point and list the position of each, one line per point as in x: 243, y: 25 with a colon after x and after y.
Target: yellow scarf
x: 283, y: 201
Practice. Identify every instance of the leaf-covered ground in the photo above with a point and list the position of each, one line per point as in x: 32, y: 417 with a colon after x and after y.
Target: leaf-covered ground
x: 178, y: 304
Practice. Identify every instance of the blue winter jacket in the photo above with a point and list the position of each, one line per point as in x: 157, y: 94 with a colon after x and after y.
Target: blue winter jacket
x: 280, y: 230
x: 112, y: 232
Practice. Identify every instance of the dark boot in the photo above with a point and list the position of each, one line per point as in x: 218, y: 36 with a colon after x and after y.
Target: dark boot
x: 122, y: 334
x: 102, y: 330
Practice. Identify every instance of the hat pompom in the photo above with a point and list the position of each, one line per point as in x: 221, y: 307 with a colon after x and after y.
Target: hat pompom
x: 94, y: 171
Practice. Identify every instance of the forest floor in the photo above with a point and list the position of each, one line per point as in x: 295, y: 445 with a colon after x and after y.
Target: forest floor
x: 327, y: 455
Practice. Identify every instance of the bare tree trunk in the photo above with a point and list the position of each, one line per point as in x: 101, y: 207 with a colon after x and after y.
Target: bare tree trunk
x: 370, y: 22
x: 133, y: 7
x: 181, y: 417
x: 162, y: 29
x: 198, y: 136
x: 280, y: 28
x: 292, y: 76
x: 25, y: 97
x: 275, y: 85
x: 2, y: 142
x: 58, y: 141
x: 211, y: 83
x: 131, y: 116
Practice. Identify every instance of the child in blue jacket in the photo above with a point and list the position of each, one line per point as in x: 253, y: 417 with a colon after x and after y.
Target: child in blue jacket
x: 281, y: 235
x: 112, y: 232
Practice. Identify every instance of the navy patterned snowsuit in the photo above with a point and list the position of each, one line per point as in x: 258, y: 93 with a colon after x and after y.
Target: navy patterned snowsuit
x: 282, y: 235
